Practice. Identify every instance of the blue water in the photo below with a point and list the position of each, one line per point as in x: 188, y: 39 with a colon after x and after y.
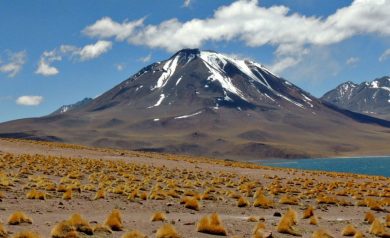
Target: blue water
x: 361, y: 165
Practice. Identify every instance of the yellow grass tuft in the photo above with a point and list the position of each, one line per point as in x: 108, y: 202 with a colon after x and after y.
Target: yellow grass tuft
x: 309, y: 212
x: 313, y: 220
x: 358, y: 234
x: 158, y: 216
x: 321, y: 234
x: 34, y: 194
x: 114, y: 220
x: 81, y: 224
x: 378, y: 229
x: 263, y: 202
x: 18, y: 218
x: 191, y: 203
x: 349, y: 230
x: 369, y: 217
x: 64, y: 229
x: 260, y: 232
x: 99, y: 228
x: 287, y: 222
x: 67, y: 195
x: 252, y: 219
x: 242, y: 202
x: 211, y: 225
x: 3, y: 231
x: 167, y: 231
x: 285, y: 199
x: 134, y: 234
x: 26, y: 234
x: 100, y: 194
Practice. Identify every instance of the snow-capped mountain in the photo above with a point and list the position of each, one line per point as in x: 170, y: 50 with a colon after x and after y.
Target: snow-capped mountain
x: 206, y: 80
x: 372, y: 98
x: 70, y: 107
x: 208, y: 103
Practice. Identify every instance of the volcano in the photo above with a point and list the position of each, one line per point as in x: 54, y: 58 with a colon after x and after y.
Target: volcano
x: 207, y: 103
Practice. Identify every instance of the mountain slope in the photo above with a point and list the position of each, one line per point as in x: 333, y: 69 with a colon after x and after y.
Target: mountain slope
x: 206, y: 103
x: 371, y: 98
x: 67, y: 108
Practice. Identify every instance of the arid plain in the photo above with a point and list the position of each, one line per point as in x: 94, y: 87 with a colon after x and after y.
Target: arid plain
x: 51, y: 182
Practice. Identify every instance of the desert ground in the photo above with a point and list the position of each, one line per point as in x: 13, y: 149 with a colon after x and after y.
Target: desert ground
x: 51, y: 182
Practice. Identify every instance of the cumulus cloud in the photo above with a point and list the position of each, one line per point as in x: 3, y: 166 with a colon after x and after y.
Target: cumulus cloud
x: 385, y: 55
x: 94, y: 50
x: 14, y: 64
x: 29, y: 100
x: 85, y: 53
x: 247, y: 21
x: 106, y: 28
x: 146, y: 58
x: 187, y: 3
x: 255, y: 25
x: 120, y: 67
x: 352, y: 61
x: 44, y: 67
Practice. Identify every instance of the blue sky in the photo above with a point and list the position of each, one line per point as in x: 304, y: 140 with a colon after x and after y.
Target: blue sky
x: 56, y: 52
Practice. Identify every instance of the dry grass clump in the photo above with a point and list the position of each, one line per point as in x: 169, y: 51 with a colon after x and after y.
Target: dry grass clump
x: 242, y: 202
x: 64, y: 229
x: 287, y: 223
x: 99, y: 229
x: 81, y: 224
x: 3, y: 231
x: 309, y: 212
x: 369, y: 217
x: 285, y: 199
x: 114, y: 220
x: 211, y: 225
x: 321, y: 234
x: 191, y: 203
x: 134, y: 234
x: 378, y: 229
x: 263, y: 202
x: 26, y: 234
x: 313, y: 220
x: 167, y: 231
x: 100, y: 194
x: 349, y: 230
x: 358, y: 234
x: 252, y: 219
x: 34, y: 194
x: 67, y: 195
x: 19, y: 218
x: 158, y: 216
x: 260, y: 232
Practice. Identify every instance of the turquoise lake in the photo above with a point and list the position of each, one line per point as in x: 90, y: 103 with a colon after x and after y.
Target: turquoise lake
x: 360, y: 165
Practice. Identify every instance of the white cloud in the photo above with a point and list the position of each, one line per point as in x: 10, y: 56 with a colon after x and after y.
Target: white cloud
x: 44, y: 67
x: 282, y: 64
x: 385, y: 55
x: 29, y: 100
x: 85, y: 53
x: 187, y: 3
x: 246, y: 20
x: 94, y: 50
x: 14, y: 64
x: 146, y: 58
x: 106, y: 28
x: 120, y: 67
x: 352, y: 61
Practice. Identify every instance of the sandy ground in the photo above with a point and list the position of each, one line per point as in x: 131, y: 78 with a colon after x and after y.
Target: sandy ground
x: 148, y: 170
